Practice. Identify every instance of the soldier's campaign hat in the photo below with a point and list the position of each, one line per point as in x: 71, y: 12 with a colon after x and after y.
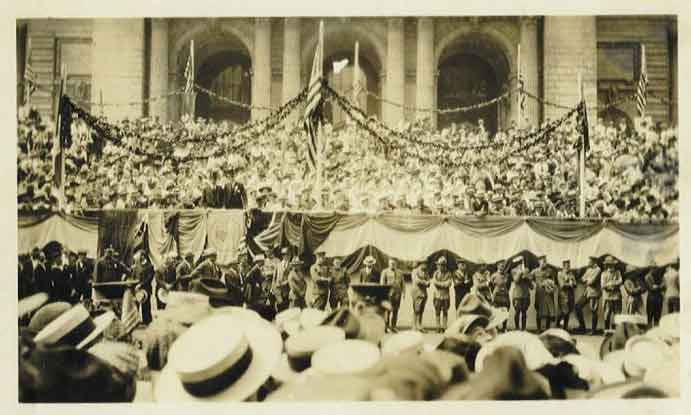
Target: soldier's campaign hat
x: 610, y: 260
x: 369, y: 260
x: 441, y: 260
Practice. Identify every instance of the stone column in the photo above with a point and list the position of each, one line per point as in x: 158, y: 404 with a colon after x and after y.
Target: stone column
x: 118, y: 65
x: 424, y: 86
x: 261, y: 67
x: 570, y: 46
x: 291, y: 61
x: 529, y: 70
x: 395, y: 75
x: 159, y: 69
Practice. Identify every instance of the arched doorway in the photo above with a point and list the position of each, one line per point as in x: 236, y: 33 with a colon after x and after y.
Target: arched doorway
x: 223, y: 65
x: 226, y: 74
x: 473, y: 69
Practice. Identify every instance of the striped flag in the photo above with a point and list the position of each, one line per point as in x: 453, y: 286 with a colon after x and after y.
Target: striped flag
x: 131, y: 317
x: 313, y: 110
x: 521, y: 94
x: 189, y: 74
x: 642, y: 88
x: 29, y: 82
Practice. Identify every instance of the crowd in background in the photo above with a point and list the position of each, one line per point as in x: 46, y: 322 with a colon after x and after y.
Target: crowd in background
x: 631, y: 173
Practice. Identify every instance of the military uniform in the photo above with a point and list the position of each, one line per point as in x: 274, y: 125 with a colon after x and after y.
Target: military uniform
x: 144, y: 273
x: 394, y: 278
x: 234, y: 284
x: 634, y: 291
x: 500, y: 283
x: 298, y: 287
x: 183, y: 272
x: 481, y: 286
x: 522, y: 284
x: 419, y: 293
x: 611, y: 287
x: 320, y: 294
x: 442, y: 281
x: 671, y: 283
x: 566, y: 296
x: 339, y: 288
x: 544, y: 296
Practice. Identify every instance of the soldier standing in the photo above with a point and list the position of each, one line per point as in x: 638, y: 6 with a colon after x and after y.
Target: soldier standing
x: 297, y: 283
x: 419, y: 294
x: 671, y: 283
x: 611, y: 285
x: 522, y: 284
x: 442, y: 281
x: 319, y: 273
x: 655, y: 285
x: 566, y: 295
x: 462, y: 283
x: 592, y: 280
x: 339, y: 285
x: 500, y: 283
x: 634, y: 292
x: 544, y: 294
x: 481, y: 284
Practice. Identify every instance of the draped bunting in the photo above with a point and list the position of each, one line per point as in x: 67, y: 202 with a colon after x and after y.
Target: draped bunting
x: 404, y: 237
x: 192, y: 231
x: 224, y: 230
x: 123, y: 231
x: 76, y: 233
x: 161, y: 241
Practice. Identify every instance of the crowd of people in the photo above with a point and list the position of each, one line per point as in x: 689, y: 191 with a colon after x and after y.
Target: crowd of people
x: 289, y: 326
x: 631, y: 173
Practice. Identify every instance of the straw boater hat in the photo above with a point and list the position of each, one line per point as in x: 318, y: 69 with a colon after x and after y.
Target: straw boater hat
x: 534, y: 352
x: 75, y: 327
x: 403, y: 342
x: 369, y: 260
x: 221, y: 358
x: 347, y: 357
x: 473, y: 305
x: 28, y: 304
x: 301, y: 346
x: 46, y: 314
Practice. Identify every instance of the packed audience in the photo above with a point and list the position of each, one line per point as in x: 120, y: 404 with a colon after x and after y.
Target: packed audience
x: 631, y: 174
x: 278, y: 330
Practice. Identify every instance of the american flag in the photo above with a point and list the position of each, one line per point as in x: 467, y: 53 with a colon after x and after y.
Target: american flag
x: 314, y: 102
x: 642, y: 88
x: 189, y: 70
x: 29, y: 81
x: 521, y: 94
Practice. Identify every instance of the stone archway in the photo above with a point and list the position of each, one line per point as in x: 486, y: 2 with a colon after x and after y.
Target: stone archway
x: 474, y: 65
x: 223, y: 64
x: 339, y: 40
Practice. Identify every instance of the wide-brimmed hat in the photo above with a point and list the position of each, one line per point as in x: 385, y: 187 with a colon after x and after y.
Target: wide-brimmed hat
x: 408, y: 341
x: 221, y: 358
x: 214, y: 289
x: 473, y: 304
x: 534, y: 352
x: 75, y: 327
x: 28, y: 304
x: 347, y: 357
x: 46, y: 314
x: 609, y: 260
x: 441, y: 260
x: 369, y: 260
x: 463, y: 323
x: 302, y: 345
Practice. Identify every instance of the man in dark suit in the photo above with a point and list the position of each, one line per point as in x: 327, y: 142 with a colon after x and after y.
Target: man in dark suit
x: 83, y: 276
x: 143, y: 271
x: 109, y: 268
x: 60, y: 284
x: 40, y: 276
x: 71, y: 277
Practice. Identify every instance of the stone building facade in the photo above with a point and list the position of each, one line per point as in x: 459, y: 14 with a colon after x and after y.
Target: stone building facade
x: 419, y: 62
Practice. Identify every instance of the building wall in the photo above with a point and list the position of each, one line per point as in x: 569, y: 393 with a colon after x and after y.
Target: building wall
x: 568, y: 44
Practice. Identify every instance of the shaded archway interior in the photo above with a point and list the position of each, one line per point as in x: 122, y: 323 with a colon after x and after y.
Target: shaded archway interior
x: 472, y: 70
x: 342, y: 83
x: 223, y: 65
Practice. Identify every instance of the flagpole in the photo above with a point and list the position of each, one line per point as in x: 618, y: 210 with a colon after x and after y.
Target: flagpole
x: 356, y: 74
x: 581, y: 157
x: 192, y: 98
x: 520, y: 90
x: 640, y: 79
x: 320, y: 147
x: 57, y: 140
x: 27, y: 64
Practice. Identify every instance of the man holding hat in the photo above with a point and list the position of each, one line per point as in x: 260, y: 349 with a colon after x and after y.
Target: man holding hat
x: 522, y: 284
x: 143, y: 271
x: 339, y: 285
x: 566, y: 296
x: 500, y: 283
x: 544, y: 294
x: 319, y: 272
x: 591, y: 278
x: 442, y: 283
x: 481, y: 283
x: 462, y: 282
x: 611, y: 286
x: 393, y: 277
x: 165, y: 278
x: 421, y: 282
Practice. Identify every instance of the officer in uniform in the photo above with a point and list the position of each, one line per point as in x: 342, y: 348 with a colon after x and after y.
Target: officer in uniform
x: 522, y: 284
x: 442, y: 280
x: 654, y: 300
x: 544, y: 294
x: 319, y: 272
x: 462, y: 283
x: 566, y: 295
x: 297, y: 282
x: 671, y: 283
x: 393, y: 277
x: 611, y: 287
x: 421, y: 282
x: 592, y: 280
x: 184, y: 271
x: 634, y: 291
x: 500, y: 283
x: 339, y: 285
x: 208, y: 268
